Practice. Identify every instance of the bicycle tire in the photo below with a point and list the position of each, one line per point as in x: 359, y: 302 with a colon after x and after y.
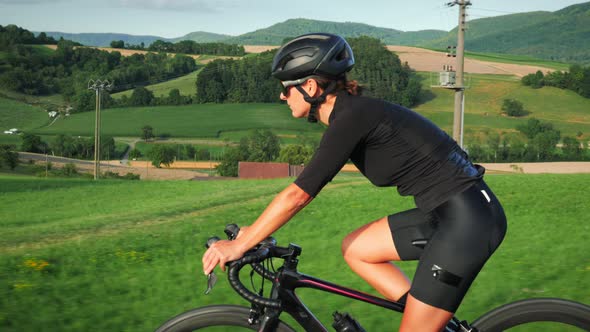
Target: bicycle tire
x: 215, y: 316
x: 535, y: 310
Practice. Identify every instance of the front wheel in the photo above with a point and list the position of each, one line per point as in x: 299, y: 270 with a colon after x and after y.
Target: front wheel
x: 526, y: 313
x: 215, y: 318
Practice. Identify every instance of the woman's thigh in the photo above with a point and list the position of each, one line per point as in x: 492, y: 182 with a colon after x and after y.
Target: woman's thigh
x: 371, y: 243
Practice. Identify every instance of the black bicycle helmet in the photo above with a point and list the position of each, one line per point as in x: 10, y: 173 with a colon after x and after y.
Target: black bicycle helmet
x: 312, y: 55
x: 316, y: 54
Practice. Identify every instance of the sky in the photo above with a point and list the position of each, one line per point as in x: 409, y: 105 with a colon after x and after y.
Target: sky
x: 176, y: 18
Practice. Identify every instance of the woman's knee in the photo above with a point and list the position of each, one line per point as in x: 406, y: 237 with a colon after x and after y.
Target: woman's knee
x: 348, y: 247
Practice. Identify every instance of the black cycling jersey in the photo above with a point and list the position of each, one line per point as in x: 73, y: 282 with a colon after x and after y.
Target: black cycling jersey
x: 392, y: 146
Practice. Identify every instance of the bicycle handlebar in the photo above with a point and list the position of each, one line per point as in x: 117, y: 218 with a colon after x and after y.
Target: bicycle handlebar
x: 234, y: 278
x: 266, y: 249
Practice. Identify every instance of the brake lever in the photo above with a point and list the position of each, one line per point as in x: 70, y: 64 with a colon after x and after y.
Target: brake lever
x: 211, y: 281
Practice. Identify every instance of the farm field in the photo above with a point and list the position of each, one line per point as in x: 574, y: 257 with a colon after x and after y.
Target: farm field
x: 565, y: 109
x: 125, y: 256
x: 185, y: 84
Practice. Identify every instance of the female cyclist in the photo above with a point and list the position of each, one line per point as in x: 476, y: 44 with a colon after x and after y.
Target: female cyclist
x: 457, y: 223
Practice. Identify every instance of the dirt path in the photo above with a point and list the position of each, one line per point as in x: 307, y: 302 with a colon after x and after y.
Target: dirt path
x: 422, y: 59
x: 432, y: 61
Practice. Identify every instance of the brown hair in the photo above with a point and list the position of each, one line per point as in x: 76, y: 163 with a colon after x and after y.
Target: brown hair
x: 352, y: 86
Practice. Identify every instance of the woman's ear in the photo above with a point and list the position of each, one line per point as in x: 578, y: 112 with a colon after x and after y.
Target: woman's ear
x: 311, y: 87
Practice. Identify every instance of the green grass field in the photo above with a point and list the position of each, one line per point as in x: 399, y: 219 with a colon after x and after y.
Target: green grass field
x: 185, y: 84
x: 483, y: 105
x: 14, y: 114
x: 220, y: 123
x: 565, y: 109
x: 202, y: 120
x: 79, y: 255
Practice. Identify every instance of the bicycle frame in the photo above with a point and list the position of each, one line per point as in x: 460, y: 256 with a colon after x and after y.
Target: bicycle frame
x: 289, y: 280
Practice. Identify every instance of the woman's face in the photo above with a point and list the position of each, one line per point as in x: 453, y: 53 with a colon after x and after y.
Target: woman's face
x: 294, y: 98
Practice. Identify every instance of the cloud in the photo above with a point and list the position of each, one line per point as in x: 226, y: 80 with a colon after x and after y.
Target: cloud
x: 25, y: 2
x: 174, y: 5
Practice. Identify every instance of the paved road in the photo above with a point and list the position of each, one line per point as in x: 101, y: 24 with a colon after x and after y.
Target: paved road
x: 41, y: 157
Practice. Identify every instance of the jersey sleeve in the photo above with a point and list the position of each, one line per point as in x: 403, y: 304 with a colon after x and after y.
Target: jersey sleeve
x: 337, y: 144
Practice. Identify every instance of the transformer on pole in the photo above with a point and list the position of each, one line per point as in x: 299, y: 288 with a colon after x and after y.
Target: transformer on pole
x: 453, y: 78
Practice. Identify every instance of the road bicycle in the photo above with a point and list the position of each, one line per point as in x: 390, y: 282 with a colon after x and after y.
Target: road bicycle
x: 264, y: 312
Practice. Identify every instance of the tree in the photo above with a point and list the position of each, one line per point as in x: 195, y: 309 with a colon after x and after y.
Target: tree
x: 33, y: 143
x: 174, y: 97
x: 535, y: 80
x: 534, y: 127
x: 296, y: 154
x: 161, y: 154
x: 134, y: 154
x: 544, y: 144
x: 118, y: 44
x: 572, y: 149
x: 8, y: 156
x: 230, y: 160
x: 63, y: 145
x: 85, y: 100
x: 147, y: 132
x: 513, y: 107
x: 141, y: 97
x: 261, y: 145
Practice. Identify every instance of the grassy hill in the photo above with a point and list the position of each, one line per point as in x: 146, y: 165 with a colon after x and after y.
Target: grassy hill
x: 275, y: 34
x: 203, y: 37
x: 125, y: 256
x: 561, y: 35
x: 565, y: 109
x: 205, y: 120
x: 14, y: 114
x: 185, y: 84
x: 483, y: 103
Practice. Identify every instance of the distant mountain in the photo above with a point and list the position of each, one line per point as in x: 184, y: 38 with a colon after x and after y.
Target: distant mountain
x: 276, y: 34
x: 563, y: 35
x: 103, y: 39
x: 203, y: 37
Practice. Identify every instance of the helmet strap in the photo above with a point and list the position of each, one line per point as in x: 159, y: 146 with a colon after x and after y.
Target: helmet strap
x: 315, y: 101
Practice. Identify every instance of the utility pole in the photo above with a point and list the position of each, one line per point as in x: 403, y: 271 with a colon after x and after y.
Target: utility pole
x: 98, y: 86
x: 459, y: 83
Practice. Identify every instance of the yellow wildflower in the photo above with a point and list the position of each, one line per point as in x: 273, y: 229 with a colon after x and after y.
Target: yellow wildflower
x: 36, y: 264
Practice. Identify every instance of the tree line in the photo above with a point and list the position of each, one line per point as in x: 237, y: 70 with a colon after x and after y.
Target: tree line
x: 185, y: 47
x: 537, y: 141
x: 29, y: 70
x: 69, y: 146
x: 12, y: 35
x: 249, y: 80
x: 577, y: 79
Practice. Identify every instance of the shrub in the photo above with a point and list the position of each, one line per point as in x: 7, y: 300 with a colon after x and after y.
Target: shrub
x: 513, y: 107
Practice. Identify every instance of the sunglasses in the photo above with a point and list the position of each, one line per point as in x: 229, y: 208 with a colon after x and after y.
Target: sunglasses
x: 287, y: 90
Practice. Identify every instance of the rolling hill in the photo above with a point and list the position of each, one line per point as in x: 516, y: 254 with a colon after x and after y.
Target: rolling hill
x: 276, y: 34
x: 563, y: 35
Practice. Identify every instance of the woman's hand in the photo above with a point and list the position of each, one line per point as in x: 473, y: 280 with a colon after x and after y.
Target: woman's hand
x: 221, y: 252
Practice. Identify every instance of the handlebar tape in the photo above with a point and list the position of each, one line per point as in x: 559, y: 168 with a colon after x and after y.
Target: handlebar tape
x: 234, y: 279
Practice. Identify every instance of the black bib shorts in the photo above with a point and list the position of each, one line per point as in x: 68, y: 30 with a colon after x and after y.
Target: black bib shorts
x: 452, y: 242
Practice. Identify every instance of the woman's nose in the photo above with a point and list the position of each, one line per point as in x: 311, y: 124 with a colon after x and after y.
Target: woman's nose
x: 282, y: 96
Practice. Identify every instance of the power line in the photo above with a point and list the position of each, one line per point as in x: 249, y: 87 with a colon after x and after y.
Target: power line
x: 493, y: 10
